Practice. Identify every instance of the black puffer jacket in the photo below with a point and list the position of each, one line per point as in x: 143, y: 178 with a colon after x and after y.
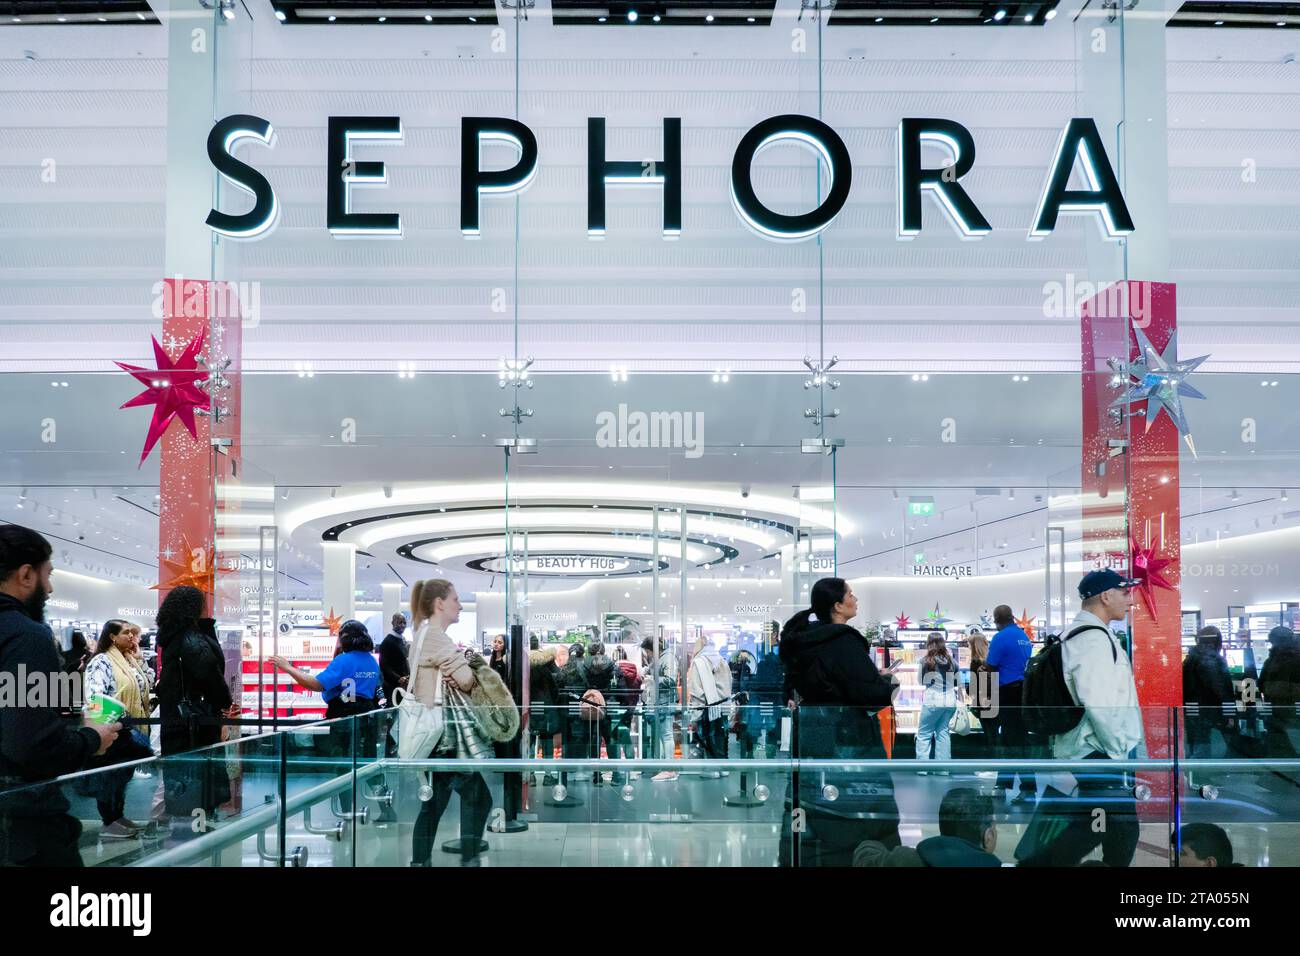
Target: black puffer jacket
x: 598, y: 673
x: 193, y: 667
x: 830, y: 667
x: 1279, y: 681
x: 1206, y: 681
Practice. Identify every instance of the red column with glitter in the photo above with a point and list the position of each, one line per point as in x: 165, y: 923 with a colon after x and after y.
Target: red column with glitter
x: 1147, y: 545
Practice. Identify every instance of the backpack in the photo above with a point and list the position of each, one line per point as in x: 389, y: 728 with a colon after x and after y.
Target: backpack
x: 1047, y: 706
x: 629, y: 684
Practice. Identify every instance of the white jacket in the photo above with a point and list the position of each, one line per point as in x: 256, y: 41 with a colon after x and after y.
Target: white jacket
x: 1102, y: 684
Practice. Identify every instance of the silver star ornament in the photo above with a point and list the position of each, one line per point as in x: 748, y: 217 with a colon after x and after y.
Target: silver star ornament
x: 1159, y: 379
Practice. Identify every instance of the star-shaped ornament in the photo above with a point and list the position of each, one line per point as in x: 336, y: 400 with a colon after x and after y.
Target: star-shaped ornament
x: 1148, y: 570
x: 1026, y: 623
x: 1160, y: 381
x: 333, y: 622
x: 172, y: 389
x: 182, y: 573
x: 935, y: 618
x: 902, y: 621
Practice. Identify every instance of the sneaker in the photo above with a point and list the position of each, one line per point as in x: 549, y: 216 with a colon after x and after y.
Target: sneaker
x: 132, y: 825
x: 115, y: 831
x: 663, y: 776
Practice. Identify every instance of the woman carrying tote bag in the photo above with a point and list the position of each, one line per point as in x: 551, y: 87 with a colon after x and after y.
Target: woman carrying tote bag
x: 435, y: 606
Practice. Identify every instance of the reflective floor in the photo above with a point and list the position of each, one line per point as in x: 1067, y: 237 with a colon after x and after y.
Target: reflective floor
x: 686, y: 822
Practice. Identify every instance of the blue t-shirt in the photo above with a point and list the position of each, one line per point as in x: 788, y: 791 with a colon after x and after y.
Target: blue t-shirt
x: 359, y: 667
x: 1008, y: 652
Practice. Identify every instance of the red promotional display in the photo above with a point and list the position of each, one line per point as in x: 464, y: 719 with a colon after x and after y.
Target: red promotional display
x: 1113, y: 326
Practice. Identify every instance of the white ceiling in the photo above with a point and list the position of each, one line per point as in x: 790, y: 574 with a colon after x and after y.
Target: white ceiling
x: 78, y: 256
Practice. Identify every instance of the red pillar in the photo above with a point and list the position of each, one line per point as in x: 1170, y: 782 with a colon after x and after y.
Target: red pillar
x: 1149, y: 473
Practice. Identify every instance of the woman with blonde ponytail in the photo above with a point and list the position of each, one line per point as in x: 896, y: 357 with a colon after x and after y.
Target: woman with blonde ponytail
x: 435, y: 658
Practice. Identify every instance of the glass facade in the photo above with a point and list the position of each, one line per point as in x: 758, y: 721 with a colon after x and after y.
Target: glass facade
x: 710, y: 305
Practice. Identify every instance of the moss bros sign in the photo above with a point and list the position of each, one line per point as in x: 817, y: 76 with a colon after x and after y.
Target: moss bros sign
x: 1079, y: 143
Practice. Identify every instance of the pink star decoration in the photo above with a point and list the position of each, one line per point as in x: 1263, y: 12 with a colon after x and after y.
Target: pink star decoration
x: 172, y: 389
x: 1148, y: 571
x: 902, y: 621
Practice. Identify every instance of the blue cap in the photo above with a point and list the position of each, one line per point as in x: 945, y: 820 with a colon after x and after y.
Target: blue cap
x: 1096, y: 582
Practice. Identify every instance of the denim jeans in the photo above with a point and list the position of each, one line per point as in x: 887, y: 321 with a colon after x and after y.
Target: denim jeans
x: 934, y: 726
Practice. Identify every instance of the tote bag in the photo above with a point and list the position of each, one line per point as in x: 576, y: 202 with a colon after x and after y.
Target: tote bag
x: 419, y: 728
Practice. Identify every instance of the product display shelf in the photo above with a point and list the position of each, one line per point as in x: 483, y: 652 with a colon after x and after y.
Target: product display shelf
x: 907, y: 703
x: 308, y: 649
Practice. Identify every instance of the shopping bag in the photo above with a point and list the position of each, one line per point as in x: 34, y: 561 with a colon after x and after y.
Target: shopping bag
x: 963, y: 721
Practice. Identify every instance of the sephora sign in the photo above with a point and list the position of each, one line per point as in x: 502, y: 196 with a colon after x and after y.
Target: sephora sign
x: 1079, y: 143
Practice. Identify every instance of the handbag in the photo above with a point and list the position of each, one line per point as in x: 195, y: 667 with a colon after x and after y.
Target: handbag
x: 964, y: 721
x: 418, y: 729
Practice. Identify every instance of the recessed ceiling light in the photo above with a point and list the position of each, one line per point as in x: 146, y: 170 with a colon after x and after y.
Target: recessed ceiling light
x: 632, y: 16
x: 279, y: 15
x: 383, y: 19
x: 332, y: 18
x: 1281, y: 23
x: 934, y: 19
x: 1029, y: 18
x: 473, y: 19
x: 1000, y: 15
x: 1051, y: 14
x: 656, y: 18
x: 600, y: 19
x: 750, y: 19
x: 63, y: 19
x: 428, y: 17
x: 880, y: 19
x: 709, y: 18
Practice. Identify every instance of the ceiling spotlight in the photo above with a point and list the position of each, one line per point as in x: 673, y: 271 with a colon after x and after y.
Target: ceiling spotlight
x: 1218, y: 23
x: 632, y: 16
x: 600, y: 19
x: 383, y: 19
x: 279, y: 15
x: 1284, y: 495
x: 1029, y: 18
x: 1050, y: 14
x: 934, y: 19
x: 880, y: 19
x: 1235, y: 496
x: 1000, y: 16
x: 656, y: 18
x: 428, y: 18
x: 332, y: 18
x: 750, y: 19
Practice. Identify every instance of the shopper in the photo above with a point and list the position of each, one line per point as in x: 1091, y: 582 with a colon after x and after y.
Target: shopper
x: 1202, y: 845
x: 598, y: 679
x: 1099, y: 679
x: 349, y: 685
x: 767, y: 701
x: 497, y: 661
x: 1208, y: 698
x: 435, y: 606
x: 968, y: 833
x: 659, y: 698
x: 708, y: 687
x: 831, y: 678
x: 545, y: 716
x: 117, y: 671
x: 940, y: 681
x: 1008, y: 653
x: 394, y: 665
x: 623, y: 701
x: 1279, y: 685
x: 35, y: 745
x: 78, y: 655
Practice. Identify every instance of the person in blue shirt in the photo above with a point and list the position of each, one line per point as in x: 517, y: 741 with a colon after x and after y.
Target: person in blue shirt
x: 350, y: 686
x: 1009, y: 651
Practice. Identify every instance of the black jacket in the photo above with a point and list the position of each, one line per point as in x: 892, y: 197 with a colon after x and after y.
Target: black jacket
x: 830, y: 667
x: 598, y: 673
x: 1279, y: 681
x: 570, y: 681
x: 394, y: 663
x: 193, y: 667
x: 35, y: 743
x: 1206, y: 681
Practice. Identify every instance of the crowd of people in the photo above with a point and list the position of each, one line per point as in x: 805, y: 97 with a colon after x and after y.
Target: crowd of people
x: 587, y: 703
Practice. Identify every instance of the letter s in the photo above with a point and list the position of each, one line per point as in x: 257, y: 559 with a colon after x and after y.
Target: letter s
x: 261, y: 219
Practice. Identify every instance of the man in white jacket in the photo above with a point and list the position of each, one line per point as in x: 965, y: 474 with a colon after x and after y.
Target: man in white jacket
x: 1100, y: 679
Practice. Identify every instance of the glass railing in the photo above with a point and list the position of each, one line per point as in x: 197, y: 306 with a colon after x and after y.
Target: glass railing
x: 765, y: 787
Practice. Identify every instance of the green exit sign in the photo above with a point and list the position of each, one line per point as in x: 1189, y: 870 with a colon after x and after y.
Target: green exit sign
x: 920, y: 507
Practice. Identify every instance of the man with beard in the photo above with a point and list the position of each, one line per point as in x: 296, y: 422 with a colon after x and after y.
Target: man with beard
x: 35, y: 827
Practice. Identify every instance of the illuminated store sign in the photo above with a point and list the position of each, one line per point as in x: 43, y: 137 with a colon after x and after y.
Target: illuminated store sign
x: 943, y: 570
x: 1079, y: 143
x: 578, y: 564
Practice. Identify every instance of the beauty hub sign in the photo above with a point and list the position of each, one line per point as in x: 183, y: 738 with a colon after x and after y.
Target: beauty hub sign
x: 1079, y: 144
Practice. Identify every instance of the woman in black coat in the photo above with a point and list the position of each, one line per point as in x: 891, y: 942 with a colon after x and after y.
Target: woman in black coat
x: 830, y: 676
x: 192, y: 697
